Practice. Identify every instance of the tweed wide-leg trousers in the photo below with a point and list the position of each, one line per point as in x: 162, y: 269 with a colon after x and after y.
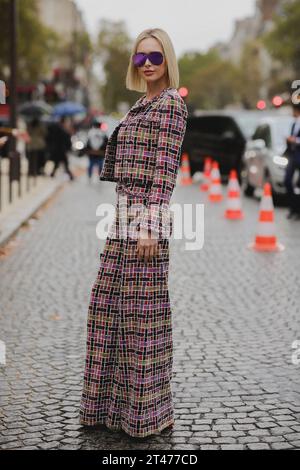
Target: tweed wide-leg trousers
x: 129, y: 352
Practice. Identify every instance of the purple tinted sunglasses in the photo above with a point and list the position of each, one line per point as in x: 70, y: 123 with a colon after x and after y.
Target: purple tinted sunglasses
x: 155, y: 57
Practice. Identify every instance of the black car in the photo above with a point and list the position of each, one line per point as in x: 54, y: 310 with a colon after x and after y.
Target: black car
x: 221, y: 135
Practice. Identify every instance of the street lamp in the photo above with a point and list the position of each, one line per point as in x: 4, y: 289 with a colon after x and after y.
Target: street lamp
x: 13, y: 68
x: 14, y: 156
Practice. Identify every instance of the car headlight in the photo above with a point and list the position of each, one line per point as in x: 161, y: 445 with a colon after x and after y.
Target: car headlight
x: 78, y: 145
x: 253, y: 169
x: 280, y: 161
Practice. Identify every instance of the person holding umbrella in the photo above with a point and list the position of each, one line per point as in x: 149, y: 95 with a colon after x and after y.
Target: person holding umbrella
x: 37, y: 146
x: 59, y: 141
x: 59, y: 144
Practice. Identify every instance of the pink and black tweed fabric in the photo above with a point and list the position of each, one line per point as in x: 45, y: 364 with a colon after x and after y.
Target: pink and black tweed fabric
x: 129, y: 356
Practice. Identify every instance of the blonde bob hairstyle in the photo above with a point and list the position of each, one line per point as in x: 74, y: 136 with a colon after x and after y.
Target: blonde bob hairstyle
x: 134, y: 81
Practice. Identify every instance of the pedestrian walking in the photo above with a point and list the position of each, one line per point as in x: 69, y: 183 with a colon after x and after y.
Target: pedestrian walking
x: 293, y: 151
x: 36, y: 147
x: 95, y: 148
x: 59, y: 144
x: 129, y: 353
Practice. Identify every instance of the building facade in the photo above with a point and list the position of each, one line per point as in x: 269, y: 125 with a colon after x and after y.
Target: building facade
x: 63, y: 16
x: 70, y: 79
x: 252, y: 28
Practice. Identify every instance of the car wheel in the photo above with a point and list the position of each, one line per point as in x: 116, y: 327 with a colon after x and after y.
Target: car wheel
x: 249, y: 190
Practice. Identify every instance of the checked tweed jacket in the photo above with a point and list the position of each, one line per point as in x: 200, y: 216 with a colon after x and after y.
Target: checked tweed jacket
x: 129, y: 355
x: 143, y: 153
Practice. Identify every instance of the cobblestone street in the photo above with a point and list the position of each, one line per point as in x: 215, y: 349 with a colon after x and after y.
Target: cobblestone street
x: 235, y: 317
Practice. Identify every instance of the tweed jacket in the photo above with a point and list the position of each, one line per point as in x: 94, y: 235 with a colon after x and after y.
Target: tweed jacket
x: 143, y: 153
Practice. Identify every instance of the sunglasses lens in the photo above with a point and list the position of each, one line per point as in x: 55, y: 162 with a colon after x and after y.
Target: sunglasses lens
x: 156, y: 58
x: 139, y: 59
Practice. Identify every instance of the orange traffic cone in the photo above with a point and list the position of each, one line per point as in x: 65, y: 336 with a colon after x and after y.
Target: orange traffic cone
x: 206, y: 180
x: 186, y: 178
x: 234, y: 204
x: 215, y: 190
x: 265, y: 239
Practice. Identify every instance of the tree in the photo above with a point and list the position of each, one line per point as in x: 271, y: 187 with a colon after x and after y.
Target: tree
x: 213, y: 82
x: 79, y: 50
x: 191, y: 62
x: 283, y: 41
x: 37, y: 45
x: 217, y: 86
x: 113, y: 48
x: 251, y: 79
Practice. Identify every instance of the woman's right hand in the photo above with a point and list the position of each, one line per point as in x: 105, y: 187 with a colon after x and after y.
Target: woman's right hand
x: 147, y: 247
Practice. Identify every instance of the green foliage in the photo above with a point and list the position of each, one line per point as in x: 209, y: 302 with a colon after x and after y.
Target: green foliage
x: 80, y: 49
x: 212, y: 82
x: 192, y: 61
x: 36, y: 44
x: 251, y: 79
x: 283, y: 41
x: 113, y: 48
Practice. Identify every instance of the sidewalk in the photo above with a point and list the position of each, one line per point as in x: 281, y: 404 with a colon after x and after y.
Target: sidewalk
x: 235, y: 318
x: 14, y: 215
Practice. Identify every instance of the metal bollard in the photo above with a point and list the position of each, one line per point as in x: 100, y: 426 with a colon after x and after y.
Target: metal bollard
x: 14, y: 171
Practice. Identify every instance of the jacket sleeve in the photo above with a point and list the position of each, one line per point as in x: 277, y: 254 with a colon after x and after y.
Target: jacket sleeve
x: 172, y: 130
x: 108, y: 169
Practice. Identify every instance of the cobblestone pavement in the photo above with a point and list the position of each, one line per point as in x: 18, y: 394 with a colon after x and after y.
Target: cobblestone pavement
x: 235, y: 317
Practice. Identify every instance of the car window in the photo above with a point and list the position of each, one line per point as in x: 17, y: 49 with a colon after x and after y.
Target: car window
x: 214, y: 125
x: 263, y: 132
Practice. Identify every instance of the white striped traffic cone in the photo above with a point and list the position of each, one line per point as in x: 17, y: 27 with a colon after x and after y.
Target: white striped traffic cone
x: 215, y: 190
x: 234, y: 204
x: 206, y: 175
x: 266, y: 239
x: 186, y: 178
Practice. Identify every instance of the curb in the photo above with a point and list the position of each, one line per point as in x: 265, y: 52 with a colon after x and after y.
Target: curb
x: 11, y: 223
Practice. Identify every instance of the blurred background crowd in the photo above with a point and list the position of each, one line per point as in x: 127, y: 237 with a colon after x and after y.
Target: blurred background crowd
x: 65, y: 90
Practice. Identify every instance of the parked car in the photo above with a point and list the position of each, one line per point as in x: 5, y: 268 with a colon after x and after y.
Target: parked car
x: 221, y: 135
x: 265, y: 156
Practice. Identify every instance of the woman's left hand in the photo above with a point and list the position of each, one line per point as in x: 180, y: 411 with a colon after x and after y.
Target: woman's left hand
x: 147, y: 247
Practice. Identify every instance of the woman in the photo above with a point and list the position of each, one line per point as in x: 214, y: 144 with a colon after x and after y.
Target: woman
x: 95, y: 148
x: 59, y: 144
x: 129, y: 358
x: 36, y: 148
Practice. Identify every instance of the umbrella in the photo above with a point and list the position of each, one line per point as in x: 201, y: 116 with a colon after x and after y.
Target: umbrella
x: 35, y: 108
x: 68, y: 108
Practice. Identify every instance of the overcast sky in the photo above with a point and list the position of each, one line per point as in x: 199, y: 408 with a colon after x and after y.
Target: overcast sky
x: 191, y: 24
